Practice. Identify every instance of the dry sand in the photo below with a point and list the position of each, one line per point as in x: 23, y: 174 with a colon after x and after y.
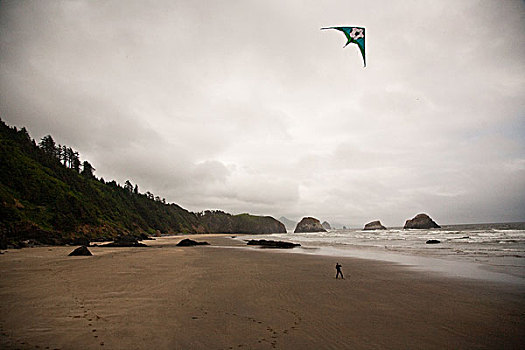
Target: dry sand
x: 209, y: 297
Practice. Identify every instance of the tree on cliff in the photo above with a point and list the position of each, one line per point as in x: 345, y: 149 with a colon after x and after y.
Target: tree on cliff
x: 75, y: 163
x: 68, y: 157
x: 87, y: 169
x: 48, y: 145
x: 128, y: 186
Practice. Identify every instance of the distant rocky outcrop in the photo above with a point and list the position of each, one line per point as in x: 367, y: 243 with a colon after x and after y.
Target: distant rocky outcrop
x: 273, y: 244
x: 421, y: 221
x: 289, y: 224
x: 374, y: 225
x: 220, y: 222
x: 190, y: 243
x: 81, y: 251
x: 326, y: 225
x: 309, y: 224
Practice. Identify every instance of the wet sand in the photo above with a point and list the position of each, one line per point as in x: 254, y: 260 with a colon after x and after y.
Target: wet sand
x: 210, y: 297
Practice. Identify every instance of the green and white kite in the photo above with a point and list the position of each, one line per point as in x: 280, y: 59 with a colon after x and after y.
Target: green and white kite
x: 355, y: 35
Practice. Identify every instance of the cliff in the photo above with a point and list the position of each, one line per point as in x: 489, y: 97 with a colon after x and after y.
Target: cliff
x: 220, y: 222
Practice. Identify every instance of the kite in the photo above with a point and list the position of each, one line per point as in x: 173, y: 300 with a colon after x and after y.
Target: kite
x: 355, y: 35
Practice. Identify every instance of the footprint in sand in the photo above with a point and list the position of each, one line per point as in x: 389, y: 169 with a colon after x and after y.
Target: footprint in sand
x: 89, y: 316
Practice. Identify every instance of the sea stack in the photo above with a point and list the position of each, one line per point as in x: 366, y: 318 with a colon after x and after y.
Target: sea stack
x: 421, y: 221
x: 326, y: 225
x: 309, y: 224
x: 374, y: 225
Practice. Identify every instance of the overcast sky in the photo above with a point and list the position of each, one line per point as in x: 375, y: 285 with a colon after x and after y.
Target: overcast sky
x: 246, y: 106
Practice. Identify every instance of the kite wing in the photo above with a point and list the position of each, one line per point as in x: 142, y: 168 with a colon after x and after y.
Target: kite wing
x: 354, y: 35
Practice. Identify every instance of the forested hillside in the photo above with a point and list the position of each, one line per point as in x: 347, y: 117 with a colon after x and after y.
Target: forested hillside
x: 48, y: 195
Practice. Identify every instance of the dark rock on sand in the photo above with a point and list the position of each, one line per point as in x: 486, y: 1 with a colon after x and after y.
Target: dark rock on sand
x: 374, y: 225
x: 81, y: 251
x: 421, y: 221
x: 190, y: 243
x: 433, y: 241
x: 125, y: 241
x: 273, y: 244
x: 326, y: 225
x: 309, y: 224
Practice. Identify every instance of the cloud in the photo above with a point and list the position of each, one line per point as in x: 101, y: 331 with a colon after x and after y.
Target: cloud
x: 249, y: 107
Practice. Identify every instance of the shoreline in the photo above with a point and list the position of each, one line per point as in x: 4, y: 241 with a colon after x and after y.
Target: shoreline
x: 210, y: 297
x: 441, y: 266
x: 498, y: 269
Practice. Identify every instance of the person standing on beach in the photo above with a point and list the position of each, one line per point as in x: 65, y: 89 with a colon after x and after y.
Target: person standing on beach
x: 338, y: 268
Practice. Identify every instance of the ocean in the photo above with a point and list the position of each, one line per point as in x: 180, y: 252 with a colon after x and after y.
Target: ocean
x: 483, y: 251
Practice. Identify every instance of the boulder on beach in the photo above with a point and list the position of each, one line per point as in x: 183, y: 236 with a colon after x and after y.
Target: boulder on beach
x: 273, y: 244
x: 190, y: 243
x: 374, y: 225
x: 309, y: 224
x: 421, y: 221
x: 81, y: 251
x: 326, y: 225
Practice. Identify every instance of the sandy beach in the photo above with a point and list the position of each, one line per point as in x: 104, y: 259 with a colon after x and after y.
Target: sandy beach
x: 224, y: 296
